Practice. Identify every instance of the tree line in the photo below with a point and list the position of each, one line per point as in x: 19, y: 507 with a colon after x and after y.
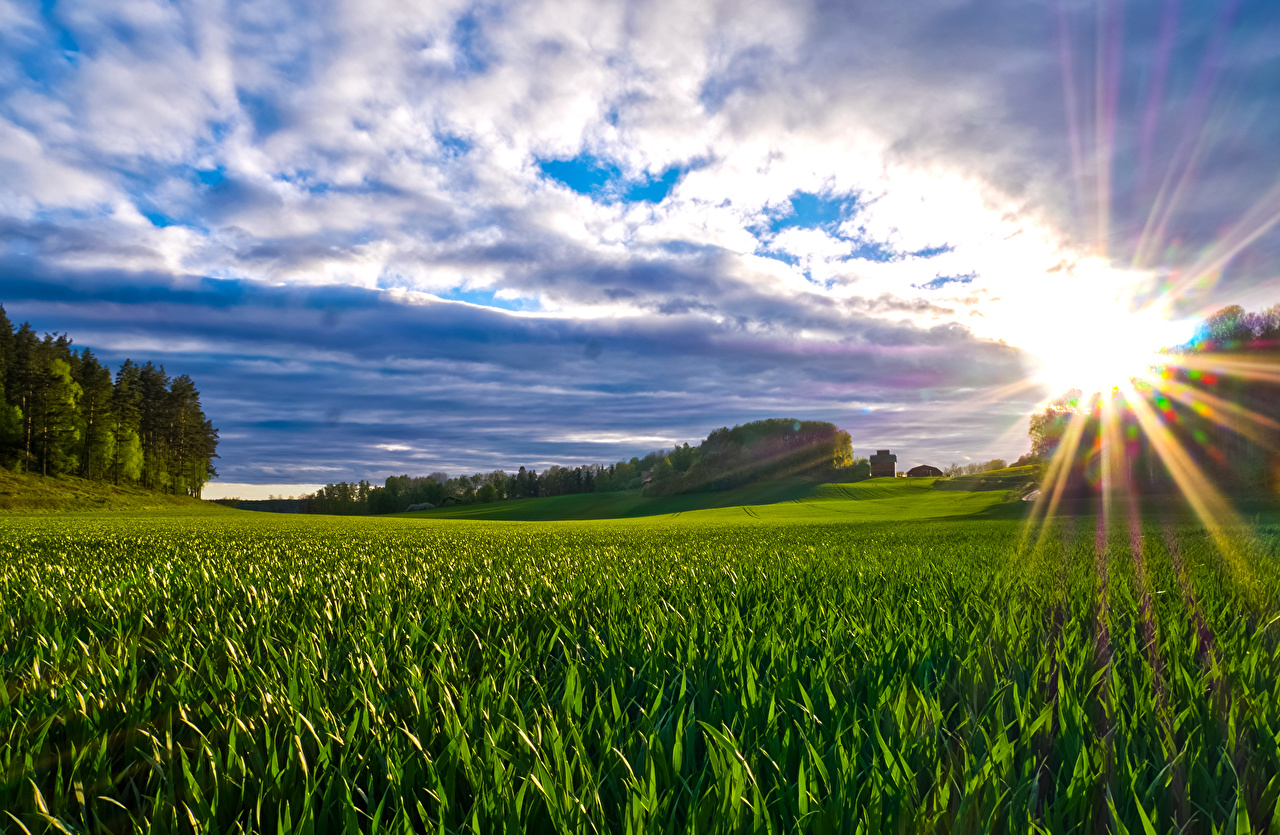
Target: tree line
x: 63, y: 412
x: 727, y: 458
x: 1215, y: 403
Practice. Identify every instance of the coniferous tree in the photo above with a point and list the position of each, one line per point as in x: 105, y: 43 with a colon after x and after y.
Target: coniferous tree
x: 10, y: 430
x: 10, y: 414
x: 57, y: 402
x: 126, y: 397
x: 153, y: 426
x: 189, y: 438
x: 97, y: 443
x: 207, y: 439
x: 6, y: 345
x: 23, y: 376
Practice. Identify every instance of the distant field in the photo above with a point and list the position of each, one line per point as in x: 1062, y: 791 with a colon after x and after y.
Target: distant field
x: 793, y: 500
x: 818, y: 664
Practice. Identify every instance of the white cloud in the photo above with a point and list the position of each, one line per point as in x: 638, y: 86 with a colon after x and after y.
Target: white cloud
x: 32, y: 179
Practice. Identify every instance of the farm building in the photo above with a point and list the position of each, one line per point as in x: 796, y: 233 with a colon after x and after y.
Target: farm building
x: 884, y: 464
x: 923, y: 471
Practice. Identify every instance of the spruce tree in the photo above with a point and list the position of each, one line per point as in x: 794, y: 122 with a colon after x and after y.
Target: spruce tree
x: 96, y: 439
x: 153, y: 426
x: 22, y: 385
x: 56, y: 432
x: 126, y: 399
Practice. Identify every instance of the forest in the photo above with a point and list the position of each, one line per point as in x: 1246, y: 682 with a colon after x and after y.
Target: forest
x: 63, y: 412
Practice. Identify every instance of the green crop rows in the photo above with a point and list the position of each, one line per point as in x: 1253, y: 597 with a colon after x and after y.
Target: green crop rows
x: 229, y: 672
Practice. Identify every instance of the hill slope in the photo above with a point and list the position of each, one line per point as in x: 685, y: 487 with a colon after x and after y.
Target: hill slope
x: 788, y: 500
x: 23, y: 493
x: 622, y: 505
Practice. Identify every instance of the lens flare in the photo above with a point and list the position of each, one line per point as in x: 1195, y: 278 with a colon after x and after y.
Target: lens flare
x: 1161, y: 422
x: 1095, y: 333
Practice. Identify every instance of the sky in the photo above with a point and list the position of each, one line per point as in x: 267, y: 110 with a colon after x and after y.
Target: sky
x: 391, y: 238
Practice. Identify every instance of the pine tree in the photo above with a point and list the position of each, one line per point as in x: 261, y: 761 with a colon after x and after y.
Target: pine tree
x: 58, y: 411
x: 96, y: 440
x: 208, y: 446
x: 21, y: 385
x: 153, y: 426
x: 10, y: 414
x: 6, y: 346
x: 127, y: 454
x: 188, y: 437
x: 126, y: 397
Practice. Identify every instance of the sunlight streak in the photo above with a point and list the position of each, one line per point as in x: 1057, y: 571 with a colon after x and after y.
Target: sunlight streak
x: 1055, y: 481
x: 1262, y: 368
x: 1214, y: 512
x: 1255, y: 223
x: 1223, y: 412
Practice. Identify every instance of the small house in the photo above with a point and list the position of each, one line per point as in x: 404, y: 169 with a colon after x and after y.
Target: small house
x: 924, y: 471
x: 884, y: 464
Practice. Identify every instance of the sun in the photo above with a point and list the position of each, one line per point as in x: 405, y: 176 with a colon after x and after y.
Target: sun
x: 1093, y: 332
x: 1103, y: 352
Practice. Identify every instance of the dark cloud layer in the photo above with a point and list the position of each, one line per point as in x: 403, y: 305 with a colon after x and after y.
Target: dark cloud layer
x: 332, y: 382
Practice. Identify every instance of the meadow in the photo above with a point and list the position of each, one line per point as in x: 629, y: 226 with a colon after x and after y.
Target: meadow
x: 874, y: 658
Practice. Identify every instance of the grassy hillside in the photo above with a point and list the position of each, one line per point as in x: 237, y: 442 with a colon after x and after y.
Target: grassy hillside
x: 1010, y: 478
x: 622, y: 505
x: 874, y: 500
x: 777, y: 501
x: 22, y: 493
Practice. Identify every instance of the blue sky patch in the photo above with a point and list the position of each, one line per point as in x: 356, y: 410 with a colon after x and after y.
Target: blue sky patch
x: 869, y: 250
x: 159, y: 219
x: 305, y: 179
x: 941, y: 281
x: 469, y: 39
x: 654, y: 190
x: 932, y: 251
x: 603, y: 181
x: 486, y: 298
x: 807, y: 210
x: 66, y: 41
x: 453, y: 146
x: 825, y: 212
x: 211, y: 177
x: 262, y: 112
x: 584, y: 174
x: 784, y: 257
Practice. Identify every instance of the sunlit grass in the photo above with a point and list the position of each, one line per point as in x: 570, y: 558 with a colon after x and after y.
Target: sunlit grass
x: 241, y: 672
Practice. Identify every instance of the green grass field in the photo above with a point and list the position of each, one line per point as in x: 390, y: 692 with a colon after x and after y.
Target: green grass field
x: 788, y: 500
x: 879, y: 657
